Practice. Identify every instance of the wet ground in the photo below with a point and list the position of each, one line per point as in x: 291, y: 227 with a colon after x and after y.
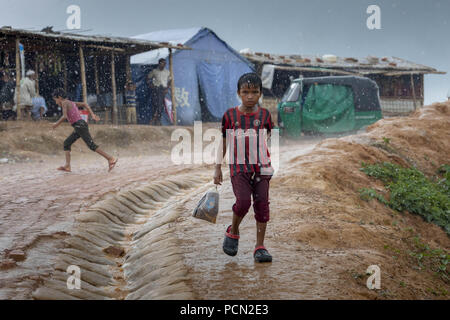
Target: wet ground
x: 39, y: 205
x: 132, y: 232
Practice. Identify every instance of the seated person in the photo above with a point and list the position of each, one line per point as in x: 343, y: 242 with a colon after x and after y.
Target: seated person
x: 39, y: 108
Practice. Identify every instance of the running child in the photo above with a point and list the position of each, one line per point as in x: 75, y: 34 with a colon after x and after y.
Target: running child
x: 250, y: 167
x: 81, y: 130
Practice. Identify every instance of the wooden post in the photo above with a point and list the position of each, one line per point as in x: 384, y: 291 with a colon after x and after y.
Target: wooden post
x: 172, y: 88
x: 422, y: 89
x: 18, y: 110
x: 413, y: 91
x: 128, y: 68
x: 83, y: 74
x: 97, y: 85
x: 114, y: 95
x: 65, y: 75
x: 36, y: 70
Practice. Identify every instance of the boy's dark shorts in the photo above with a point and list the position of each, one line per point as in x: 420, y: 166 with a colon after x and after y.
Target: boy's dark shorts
x: 81, y: 130
x: 247, y: 185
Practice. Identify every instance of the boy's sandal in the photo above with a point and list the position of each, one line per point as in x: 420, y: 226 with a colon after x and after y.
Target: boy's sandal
x: 230, y: 243
x: 261, y: 254
x: 64, y: 169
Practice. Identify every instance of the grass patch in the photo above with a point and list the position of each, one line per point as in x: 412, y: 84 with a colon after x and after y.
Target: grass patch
x: 435, y: 260
x: 422, y: 257
x: 410, y: 190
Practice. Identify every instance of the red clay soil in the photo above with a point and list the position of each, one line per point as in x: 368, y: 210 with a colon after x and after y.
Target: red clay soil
x: 328, y: 212
x: 322, y: 236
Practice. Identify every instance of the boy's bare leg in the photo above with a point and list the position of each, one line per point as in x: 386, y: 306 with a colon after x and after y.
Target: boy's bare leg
x: 235, y: 224
x: 260, y: 233
x: 105, y: 155
x: 66, y: 167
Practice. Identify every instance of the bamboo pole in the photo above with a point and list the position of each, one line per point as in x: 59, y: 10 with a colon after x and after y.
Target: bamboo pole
x: 114, y: 95
x: 422, y: 89
x: 65, y: 75
x: 413, y: 91
x: 325, y: 70
x: 97, y: 85
x: 18, y: 110
x: 105, y: 48
x: 83, y: 75
x: 128, y: 68
x: 172, y: 88
x: 36, y: 70
x: 401, y: 73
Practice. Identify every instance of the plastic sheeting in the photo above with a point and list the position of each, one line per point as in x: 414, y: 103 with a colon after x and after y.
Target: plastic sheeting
x: 329, y: 108
x: 218, y: 84
x: 205, y: 79
x: 268, y: 71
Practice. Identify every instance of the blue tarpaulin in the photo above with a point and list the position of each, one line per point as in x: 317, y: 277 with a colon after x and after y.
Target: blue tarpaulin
x: 205, y: 77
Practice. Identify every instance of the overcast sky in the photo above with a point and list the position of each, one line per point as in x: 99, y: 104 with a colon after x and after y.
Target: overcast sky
x: 416, y: 30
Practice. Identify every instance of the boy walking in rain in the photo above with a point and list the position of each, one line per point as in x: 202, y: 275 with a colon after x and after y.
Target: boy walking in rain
x: 81, y: 130
x: 243, y: 128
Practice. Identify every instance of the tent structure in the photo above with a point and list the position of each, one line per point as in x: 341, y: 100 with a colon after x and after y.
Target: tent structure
x: 205, y: 77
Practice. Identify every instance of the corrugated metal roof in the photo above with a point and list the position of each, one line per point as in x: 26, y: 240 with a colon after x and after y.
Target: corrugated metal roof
x: 365, y: 65
x: 123, y: 42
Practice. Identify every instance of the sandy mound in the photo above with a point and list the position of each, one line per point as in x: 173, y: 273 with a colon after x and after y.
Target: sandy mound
x: 324, y: 209
x: 30, y: 140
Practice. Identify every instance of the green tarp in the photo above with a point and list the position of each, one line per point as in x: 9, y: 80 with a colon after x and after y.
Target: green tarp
x: 328, y: 108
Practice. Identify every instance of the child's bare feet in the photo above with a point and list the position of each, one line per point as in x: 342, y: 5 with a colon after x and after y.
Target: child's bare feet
x: 112, y: 162
x: 65, y: 168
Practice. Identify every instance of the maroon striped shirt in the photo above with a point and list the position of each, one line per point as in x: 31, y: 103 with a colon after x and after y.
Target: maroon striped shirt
x: 246, y: 134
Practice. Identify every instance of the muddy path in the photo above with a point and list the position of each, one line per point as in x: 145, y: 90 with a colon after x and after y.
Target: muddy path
x: 48, y: 217
x: 39, y: 206
x: 132, y: 234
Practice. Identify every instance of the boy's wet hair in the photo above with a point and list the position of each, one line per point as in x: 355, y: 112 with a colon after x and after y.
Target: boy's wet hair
x: 250, y: 79
x: 59, y: 93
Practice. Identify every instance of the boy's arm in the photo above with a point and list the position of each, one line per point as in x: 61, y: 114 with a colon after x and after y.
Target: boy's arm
x: 88, y: 108
x: 64, y: 116
x: 222, y: 149
x: 270, y: 126
x: 221, y: 153
x: 218, y: 177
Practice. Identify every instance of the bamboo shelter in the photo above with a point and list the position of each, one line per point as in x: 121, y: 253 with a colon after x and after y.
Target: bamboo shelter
x: 92, y: 69
x: 401, y: 82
